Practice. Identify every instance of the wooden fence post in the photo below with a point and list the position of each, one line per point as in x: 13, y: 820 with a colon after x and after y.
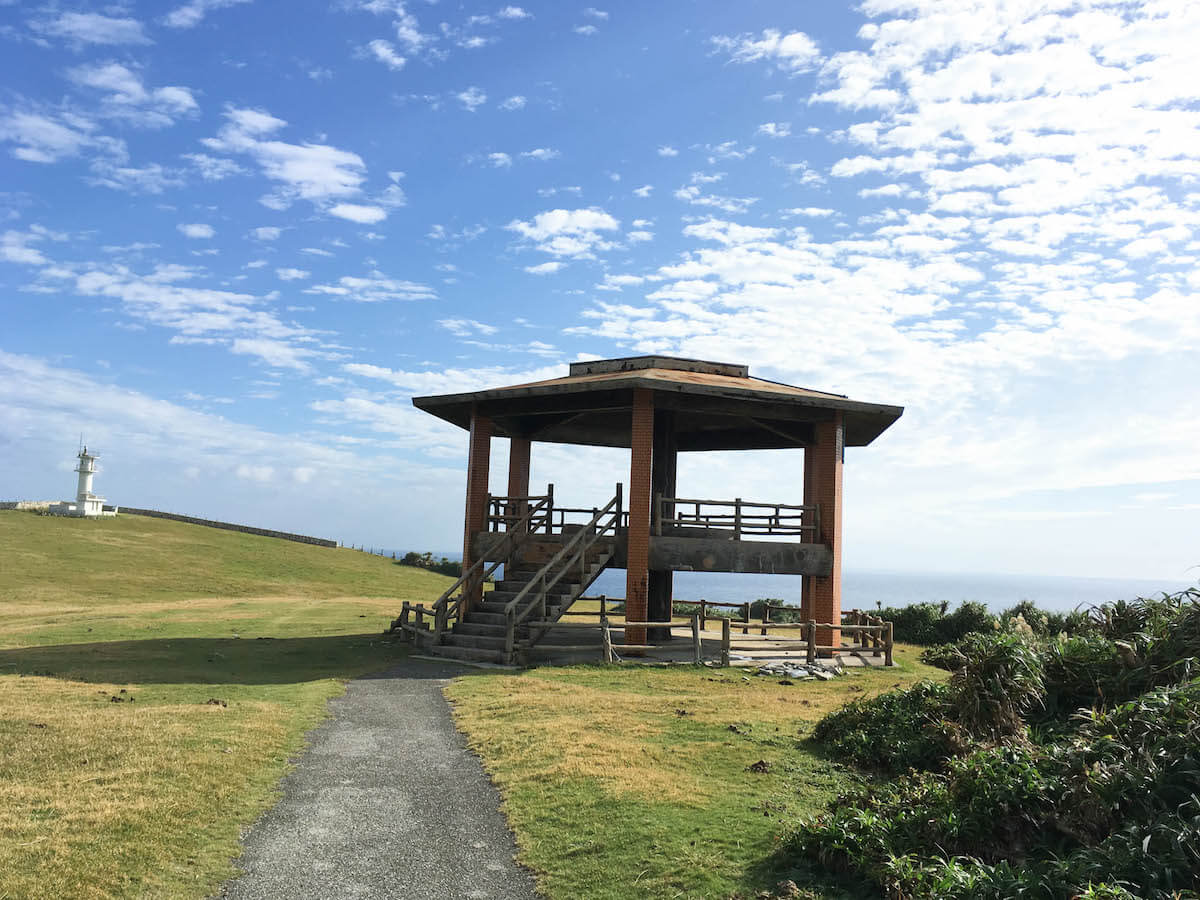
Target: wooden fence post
x: 766, y: 616
x: 887, y: 647
x: 703, y: 610
x: 725, y: 629
x: 737, y: 520
x: 811, y: 633
x: 603, y: 607
x: 746, y: 616
x: 606, y: 639
x: 696, y: 640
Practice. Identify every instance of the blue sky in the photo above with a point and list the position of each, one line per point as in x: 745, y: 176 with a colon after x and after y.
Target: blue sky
x: 236, y: 238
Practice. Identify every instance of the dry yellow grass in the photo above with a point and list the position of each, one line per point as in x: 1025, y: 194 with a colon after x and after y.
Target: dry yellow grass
x: 147, y: 797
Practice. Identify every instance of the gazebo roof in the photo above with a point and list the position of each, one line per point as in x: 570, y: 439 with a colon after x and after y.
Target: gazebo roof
x: 712, y: 406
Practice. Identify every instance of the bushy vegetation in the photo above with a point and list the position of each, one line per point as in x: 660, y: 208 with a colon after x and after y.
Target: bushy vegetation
x: 1052, y: 764
x: 934, y: 623
x: 442, y: 566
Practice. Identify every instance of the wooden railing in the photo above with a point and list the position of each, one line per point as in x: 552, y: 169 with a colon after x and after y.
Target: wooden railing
x: 737, y: 517
x: 447, y: 606
x: 532, y: 597
x: 503, y: 511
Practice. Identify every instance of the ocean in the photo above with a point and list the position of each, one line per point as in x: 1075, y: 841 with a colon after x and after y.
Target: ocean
x: 864, y: 590
x: 867, y: 589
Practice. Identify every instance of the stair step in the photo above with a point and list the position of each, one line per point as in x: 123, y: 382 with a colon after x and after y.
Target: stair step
x: 478, y: 641
x: 482, y: 629
x: 470, y: 653
x: 482, y: 617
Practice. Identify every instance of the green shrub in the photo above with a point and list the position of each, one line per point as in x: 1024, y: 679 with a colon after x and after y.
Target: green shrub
x: 1111, y: 812
x: 893, y: 731
x: 999, y: 681
x: 933, y: 623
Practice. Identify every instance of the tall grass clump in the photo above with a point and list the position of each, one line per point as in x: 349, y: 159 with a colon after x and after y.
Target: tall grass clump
x: 1070, y: 766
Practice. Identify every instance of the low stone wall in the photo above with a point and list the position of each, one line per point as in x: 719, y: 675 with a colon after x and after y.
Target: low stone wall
x: 229, y: 526
x: 26, y: 504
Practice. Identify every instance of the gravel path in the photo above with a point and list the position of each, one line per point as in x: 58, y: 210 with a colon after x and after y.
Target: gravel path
x: 386, y: 802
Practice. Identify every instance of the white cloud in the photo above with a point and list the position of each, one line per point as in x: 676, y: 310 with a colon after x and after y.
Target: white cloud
x: 277, y: 354
x: 14, y: 248
x: 127, y: 97
x: 45, y: 139
x: 355, y: 212
x: 386, y: 53
x: 541, y: 153
x: 667, y: 150
x: 288, y: 274
x: 514, y: 102
x: 196, y: 230
x: 191, y: 13
x: 793, y: 52
x: 586, y: 29
x: 500, y: 160
x: 592, y: 13
x: 573, y: 233
x: 513, y: 13
x: 471, y: 99
x: 775, y: 129
x: 213, y: 168
x: 375, y: 288
x: 546, y: 268
x: 316, y: 172
x: 643, y: 191
x: 92, y: 28
x: 467, y: 327
x: 267, y: 232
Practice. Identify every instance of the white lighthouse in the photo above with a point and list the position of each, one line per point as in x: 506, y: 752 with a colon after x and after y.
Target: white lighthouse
x: 86, y: 503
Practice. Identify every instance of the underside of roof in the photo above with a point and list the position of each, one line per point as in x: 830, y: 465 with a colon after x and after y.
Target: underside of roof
x: 711, y: 406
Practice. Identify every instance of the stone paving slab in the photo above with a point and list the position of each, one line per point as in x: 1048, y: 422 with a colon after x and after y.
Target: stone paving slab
x: 386, y: 802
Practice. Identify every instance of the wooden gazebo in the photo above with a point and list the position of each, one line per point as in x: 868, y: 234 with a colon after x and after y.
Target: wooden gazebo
x: 657, y: 407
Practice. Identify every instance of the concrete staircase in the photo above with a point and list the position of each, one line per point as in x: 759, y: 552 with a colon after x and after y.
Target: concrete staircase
x: 482, y: 634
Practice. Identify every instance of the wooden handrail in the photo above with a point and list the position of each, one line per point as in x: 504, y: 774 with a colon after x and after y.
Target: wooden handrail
x: 444, y: 608
x: 743, y: 517
x: 589, y: 530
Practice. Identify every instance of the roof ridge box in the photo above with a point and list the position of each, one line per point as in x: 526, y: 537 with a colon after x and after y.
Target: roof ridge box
x: 676, y: 363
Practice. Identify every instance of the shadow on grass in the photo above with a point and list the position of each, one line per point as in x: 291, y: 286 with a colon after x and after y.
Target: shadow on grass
x: 220, y: 660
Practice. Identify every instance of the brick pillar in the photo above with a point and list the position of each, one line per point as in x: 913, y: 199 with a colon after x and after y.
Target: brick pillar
x: 475, y: 519
x: 518, y: 467
x: 827, y: 491
x: 662, y: 481
x: 637, y: 567
x: 808, y: 584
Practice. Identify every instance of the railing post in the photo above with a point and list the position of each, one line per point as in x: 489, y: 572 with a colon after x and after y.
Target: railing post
x: 404, y: 614
x: 620, y: 509
x: 703, y: 610
x: 811, y: 634
x: 746, y: 617
x: 887, y: 647
x: 549, y: 508
x: 877, y: 636
x: 725, y: 641
x: 603, y: 606
x: 606, y: 639
x: 699, y: 659
x: 766, y: 616
x: 737, y: 521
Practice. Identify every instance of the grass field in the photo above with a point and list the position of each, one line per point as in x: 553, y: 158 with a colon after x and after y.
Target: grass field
x: 220, y: 650
x: 156, y: 678
x: 648, y: 782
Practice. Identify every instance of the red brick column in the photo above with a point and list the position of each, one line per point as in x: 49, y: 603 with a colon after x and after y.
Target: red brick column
x: 518, y: 467
x: 479, y: 457
x: 827, y: 490
x: 518, y: 474
x: 637, y: 567
x: 808, y: 585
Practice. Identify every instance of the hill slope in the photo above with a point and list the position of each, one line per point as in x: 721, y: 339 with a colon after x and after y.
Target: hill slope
x: 155, y: 679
